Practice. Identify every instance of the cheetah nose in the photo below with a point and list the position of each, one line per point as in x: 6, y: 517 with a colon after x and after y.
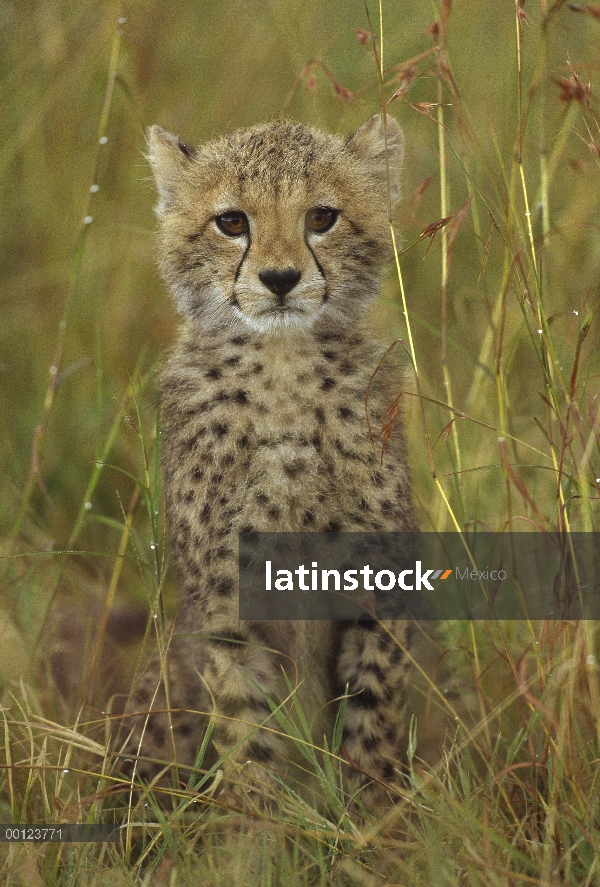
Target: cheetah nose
x: 279, y: 282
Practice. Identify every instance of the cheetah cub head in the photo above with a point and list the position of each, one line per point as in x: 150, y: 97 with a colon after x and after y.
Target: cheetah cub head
x: 278, y: 227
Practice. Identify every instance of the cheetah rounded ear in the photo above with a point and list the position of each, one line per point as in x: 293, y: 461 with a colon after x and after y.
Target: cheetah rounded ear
x: 168, y: 157
x: 380, y: 143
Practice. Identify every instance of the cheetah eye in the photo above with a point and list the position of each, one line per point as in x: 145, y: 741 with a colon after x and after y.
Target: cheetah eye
x: 321, y: 219
x: 232, y: 223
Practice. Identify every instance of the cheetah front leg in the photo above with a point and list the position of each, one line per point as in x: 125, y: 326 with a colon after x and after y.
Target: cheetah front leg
x: 226, y: 675
x: 166, y: 715
x: 244, y: 674
x: 373, y: 665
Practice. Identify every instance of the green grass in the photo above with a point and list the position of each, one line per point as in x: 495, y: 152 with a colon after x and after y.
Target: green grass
x: 499, y: 269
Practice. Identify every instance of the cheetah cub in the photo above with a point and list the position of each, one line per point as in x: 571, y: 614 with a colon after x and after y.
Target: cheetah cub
x: 273, y: 240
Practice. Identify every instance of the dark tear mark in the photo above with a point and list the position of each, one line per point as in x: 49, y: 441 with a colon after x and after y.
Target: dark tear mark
x: 233, y: 299
x: 319, y: 267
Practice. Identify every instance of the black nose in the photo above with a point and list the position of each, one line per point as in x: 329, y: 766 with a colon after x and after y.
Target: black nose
x: 279, y: 282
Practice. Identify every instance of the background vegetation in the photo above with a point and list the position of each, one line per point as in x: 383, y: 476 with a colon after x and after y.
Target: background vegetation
x: 499, y: 247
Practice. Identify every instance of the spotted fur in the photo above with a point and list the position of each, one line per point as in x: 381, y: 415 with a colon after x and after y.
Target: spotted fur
x: 264, y: 429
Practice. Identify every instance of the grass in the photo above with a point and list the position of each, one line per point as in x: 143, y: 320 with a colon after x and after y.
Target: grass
x: 495, y: 301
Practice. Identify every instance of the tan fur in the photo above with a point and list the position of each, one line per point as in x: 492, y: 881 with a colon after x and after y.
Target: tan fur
x: 264, y: 429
